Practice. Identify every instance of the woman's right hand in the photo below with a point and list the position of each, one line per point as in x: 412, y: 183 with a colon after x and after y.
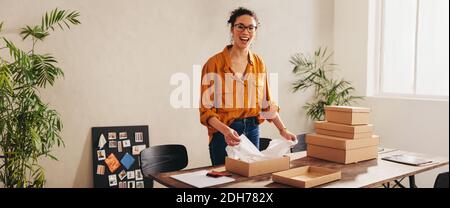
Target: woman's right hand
x: 231, y: 137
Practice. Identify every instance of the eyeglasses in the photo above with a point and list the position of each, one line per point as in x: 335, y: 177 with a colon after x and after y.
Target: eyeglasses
x: 241, y: 27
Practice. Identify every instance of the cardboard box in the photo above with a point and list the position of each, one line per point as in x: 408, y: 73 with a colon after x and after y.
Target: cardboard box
x: 344, y: 131
x: 347, y: 115
x: 342, y: 150
x: 257, y: 168
x: 306, y: 176
x: 342, y: 156
x: 341, y: 143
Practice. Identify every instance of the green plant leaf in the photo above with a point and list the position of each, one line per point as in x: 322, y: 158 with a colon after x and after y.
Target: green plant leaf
x: 313, y: 72
x: 5, y: 81
x: 35, y: 32
x: 56, y: 17
x: 44, y: 70
x: 52, y: 157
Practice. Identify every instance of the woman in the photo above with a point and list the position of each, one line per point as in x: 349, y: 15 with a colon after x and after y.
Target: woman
x: 235, y: 97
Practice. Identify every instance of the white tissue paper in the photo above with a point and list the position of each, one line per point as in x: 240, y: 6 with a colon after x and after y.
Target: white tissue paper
x: 246, y: 151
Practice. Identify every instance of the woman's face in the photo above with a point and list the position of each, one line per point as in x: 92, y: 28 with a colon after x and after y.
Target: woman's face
x: 243, y: 31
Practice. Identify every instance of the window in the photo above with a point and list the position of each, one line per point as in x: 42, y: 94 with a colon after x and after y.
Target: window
x: 414, y: 48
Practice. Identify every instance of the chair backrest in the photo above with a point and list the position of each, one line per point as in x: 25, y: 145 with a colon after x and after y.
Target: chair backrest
x: 263, y: 143
x: 442, y: 180
x: 163, y: 158
x: 301, y: 145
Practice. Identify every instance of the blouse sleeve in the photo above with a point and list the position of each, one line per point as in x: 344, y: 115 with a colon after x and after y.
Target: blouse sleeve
x: 207, y: 91
x: 269, y: 107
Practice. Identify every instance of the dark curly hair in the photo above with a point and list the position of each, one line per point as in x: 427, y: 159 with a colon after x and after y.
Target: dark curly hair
x: 239, y: 12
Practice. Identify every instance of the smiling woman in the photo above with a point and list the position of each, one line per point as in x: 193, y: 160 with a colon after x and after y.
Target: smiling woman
x: 119, y: 65
x: 243, y: 28
x: 225, y: 118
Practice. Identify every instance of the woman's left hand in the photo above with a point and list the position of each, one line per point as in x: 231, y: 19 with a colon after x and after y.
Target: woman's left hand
x: 288, y: 135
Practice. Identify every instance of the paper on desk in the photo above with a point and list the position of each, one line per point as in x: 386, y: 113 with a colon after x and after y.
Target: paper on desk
x: 247, y: 151
x: 200, y: 180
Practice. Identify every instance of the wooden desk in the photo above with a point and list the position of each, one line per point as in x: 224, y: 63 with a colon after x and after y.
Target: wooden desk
x: 371, y: 173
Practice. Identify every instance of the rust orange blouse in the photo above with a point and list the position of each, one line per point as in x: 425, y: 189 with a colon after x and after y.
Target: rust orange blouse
x: 228, y: 97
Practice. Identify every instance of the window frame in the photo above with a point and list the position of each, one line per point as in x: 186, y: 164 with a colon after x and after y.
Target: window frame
x: 379, y: 12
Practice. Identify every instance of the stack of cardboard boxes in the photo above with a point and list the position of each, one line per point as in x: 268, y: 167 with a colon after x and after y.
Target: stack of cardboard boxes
x: 345, y: 137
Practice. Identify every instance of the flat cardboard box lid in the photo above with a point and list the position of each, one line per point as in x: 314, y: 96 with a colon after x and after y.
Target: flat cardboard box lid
x: 342, y: 127
x: 306, y: 176
x: 341, y: 143
x: 350, y: 109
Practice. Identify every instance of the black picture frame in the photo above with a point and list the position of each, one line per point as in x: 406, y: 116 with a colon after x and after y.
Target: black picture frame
x: 102, y: 181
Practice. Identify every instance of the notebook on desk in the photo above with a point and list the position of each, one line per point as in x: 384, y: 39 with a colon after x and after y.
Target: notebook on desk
x: 407, y: 159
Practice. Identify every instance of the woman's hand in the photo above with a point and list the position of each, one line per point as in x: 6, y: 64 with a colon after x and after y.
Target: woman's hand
x: 288, y: 135
x: 231, y: 137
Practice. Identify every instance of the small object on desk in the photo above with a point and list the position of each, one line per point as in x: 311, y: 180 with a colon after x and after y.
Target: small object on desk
x: 407, y: 159
x: 216, y: 174
x: 383, y: 150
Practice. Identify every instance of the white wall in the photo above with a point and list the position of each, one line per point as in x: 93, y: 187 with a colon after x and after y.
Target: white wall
x: 118, y: 63
x: 408, y: 124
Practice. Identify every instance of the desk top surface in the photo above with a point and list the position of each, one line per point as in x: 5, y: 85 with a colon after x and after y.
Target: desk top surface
x: 371, y: 173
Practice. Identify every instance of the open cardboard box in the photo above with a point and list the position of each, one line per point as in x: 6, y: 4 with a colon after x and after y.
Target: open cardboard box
x: 257, y: 168
x: 342, y: 150
x: 347, y: 115
x: 344, y: 131
x: 306, y: 176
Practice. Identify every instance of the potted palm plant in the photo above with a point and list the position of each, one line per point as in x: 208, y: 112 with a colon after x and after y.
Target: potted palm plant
x: 29, y: 128
x: 315, y: 72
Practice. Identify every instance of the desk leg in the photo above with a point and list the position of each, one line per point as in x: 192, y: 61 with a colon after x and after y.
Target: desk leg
x: 412, y: 182
x: 398, y: 183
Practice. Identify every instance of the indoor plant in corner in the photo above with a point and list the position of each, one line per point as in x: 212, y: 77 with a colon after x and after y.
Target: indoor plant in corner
x: 315, y: 72
x: 29, y: 128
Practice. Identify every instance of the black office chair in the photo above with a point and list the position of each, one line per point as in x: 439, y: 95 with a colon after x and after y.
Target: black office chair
x: 301, y: 145
x: 442, y: 180
x: 264, y: 143
x: 163, y: 158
